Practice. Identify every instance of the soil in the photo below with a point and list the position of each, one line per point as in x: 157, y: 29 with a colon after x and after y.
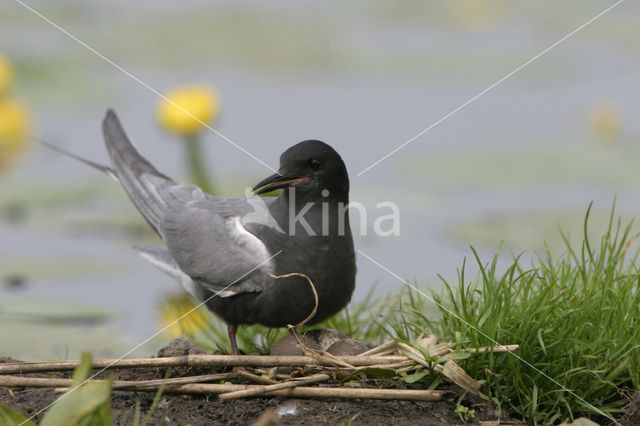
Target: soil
x: 632, y: 412
x: 203, y: 410
x: 200, y: 410
x: 208, y: 410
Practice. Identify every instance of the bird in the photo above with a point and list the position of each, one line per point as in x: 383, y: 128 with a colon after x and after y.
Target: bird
x: 248, y: 258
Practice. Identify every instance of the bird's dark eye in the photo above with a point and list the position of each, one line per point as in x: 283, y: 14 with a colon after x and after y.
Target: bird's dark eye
x: 315, y: 163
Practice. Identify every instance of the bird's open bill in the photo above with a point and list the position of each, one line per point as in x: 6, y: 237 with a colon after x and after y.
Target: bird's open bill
x: 277, y: 181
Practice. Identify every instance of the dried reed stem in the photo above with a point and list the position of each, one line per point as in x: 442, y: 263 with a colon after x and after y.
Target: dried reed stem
x: 259, y: 390
x: 210, y: 388
x: 199, y: 361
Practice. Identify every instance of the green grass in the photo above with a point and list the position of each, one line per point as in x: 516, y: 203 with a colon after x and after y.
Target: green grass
x: 575, y: 316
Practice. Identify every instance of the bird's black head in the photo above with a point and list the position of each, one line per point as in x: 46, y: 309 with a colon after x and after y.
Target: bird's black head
x: 311, y: 166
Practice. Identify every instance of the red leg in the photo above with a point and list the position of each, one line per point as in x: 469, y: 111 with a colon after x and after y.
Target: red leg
x: 231, y: 329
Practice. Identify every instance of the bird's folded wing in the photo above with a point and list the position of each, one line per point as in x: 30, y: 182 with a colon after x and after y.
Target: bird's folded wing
x: 161, y: 258
x: 204, y: 235
x: 206, y: 238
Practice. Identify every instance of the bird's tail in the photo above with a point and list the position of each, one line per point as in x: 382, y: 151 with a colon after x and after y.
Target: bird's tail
x: 106, y: 169
x: 142, y: 182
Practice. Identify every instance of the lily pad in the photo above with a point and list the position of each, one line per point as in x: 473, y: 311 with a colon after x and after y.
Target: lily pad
x: 28, y: 310
x: 52, y: 267
x: 41, y: 341
x: 41, y: 194
x: 528, y: 164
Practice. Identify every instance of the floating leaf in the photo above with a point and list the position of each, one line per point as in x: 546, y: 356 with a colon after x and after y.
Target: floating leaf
x: 30, y: 310
x: 62, y: 341
x: 52, y: 267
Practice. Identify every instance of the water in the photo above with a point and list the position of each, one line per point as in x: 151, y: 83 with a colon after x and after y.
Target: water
x: 391, y: 82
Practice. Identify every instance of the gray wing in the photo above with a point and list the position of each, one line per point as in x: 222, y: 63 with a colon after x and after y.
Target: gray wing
x: 204, y: 235
x: 212, y: 246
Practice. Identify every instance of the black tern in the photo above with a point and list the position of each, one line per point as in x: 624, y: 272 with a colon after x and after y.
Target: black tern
x: 227, y: 251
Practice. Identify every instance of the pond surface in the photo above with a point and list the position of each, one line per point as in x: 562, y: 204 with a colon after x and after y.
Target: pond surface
x: 508, y: 167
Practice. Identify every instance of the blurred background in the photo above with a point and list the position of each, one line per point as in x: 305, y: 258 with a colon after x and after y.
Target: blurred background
x: 527, y: 156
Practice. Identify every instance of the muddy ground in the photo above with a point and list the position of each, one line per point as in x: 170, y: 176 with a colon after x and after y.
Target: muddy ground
x: 194, y: 410
x: 203, y: 410
x: 208, y: 410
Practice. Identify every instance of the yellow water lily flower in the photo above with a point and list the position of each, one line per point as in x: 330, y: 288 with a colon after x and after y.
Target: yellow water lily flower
x: 6, y: 74
x: 14, y: 128
x: 177, y: 305
x: 477, y: 15
x: 606, y: 121
x: 199, y: 101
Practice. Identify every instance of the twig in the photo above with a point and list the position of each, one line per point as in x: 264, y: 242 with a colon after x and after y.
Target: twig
x: 326, y: 358
x: 199, y: 361
x: 413, y: 354
x: 254, y: 377
x: 320, y: 357
x: 406, y: 363
x: 315, y: 392
x: 211, y: 388
x: 122, y: 384
x: 316, y: 378
x: 46, y: 382
x: 387, y: 348
x: 392, y: 346
x: 313, y: 289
